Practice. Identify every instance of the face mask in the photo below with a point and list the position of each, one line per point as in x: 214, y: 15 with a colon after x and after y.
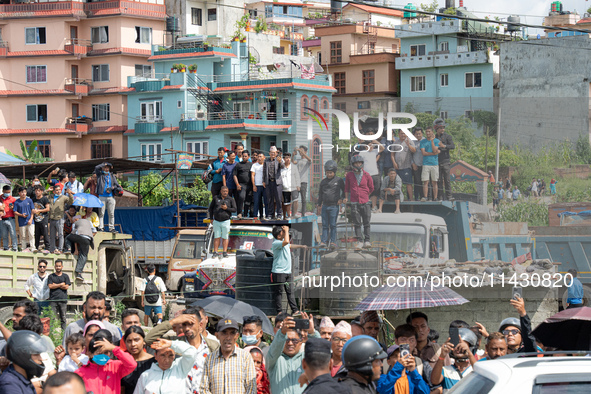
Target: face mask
x: 6, y: 195
x: 36, y: 183
x: 249, y: 339
x: 100, y: 359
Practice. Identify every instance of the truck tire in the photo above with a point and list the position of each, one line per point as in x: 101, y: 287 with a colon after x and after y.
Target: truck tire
x: 141, y: 315
x: 5, y: 315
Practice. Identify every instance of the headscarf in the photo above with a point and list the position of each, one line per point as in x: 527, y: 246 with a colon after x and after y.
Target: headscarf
x: 93, y: 323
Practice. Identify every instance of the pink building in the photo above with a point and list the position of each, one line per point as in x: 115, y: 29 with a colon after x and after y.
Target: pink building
x: 64, y: 68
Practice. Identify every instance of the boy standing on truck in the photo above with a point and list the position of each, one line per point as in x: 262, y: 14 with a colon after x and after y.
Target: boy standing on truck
x: 358, y: 187
x: 23, y: 208
x: 7, y: 225
x: 220, y: 211
x: 281, y: 270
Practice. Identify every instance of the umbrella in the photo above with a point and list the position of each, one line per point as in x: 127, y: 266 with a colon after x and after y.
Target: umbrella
x: 229, y: 308
x: 87, y: 200
x: 4, y: 180
x: 412, y: 296
x: 569, y: 329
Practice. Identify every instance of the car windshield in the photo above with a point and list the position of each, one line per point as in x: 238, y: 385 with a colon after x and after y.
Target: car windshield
x: 396, y: 239
x: 188, y: 247
x: 249, y: 239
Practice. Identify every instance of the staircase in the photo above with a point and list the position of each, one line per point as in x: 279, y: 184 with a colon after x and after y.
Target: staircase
x: 210, y: 101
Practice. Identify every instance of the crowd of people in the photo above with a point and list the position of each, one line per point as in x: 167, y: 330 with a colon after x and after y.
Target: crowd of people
x: 192, y: 354
x: 506, y: 191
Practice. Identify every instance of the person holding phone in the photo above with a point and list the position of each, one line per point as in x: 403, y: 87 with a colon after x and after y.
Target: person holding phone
x: 281, y: 270
x: 220, y: 210
x: 460, y: 346
x: 518, y: 331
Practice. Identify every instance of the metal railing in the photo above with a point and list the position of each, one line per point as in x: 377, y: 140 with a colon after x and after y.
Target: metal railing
x: 233, y: 115
x: 78, y: 81
x: 369, y: 51
x: 42, y: 6
x: 149, y: 119
x: 78, y: 41
x: 149, y: 76
x: 262, y: 74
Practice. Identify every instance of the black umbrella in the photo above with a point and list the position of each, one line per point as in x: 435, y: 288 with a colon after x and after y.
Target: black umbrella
x: 569, y: 329
x: 229, y: 308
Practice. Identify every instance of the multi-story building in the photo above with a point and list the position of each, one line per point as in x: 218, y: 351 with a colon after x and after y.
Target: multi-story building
x: 360, y: 57
x: 64, y: 68
x: 224, y: 103
x: 445, y: 68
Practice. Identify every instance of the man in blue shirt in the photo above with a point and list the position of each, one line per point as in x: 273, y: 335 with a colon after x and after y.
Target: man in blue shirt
x: 576, y: 293
x: 228, y: 174
x: 218, y: 180
x: 105, y: 183
x: 281, y: 270
x: 430, y: 150
x: 23, y: 209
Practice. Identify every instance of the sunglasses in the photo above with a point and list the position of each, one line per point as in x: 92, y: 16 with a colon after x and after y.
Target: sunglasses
x: 510, y: 332
x: 42, y: 266
x: 295, y: 341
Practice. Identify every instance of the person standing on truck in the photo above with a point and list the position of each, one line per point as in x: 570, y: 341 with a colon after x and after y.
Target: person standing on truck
x: 8, y: 225
x: 303, y: 164
x: 82, y: 239
x: 41, y: 213
x: 575, y: 290
x: 430, y: 150
x: 59, y: 283
x: 417, y: 164
x: 446, y: 144
x: 153, y: 298
x: 330, y: 196
x: 281, y: 270
x: 105, y: 183
x: 241, y: 175
x: 56, y: 218
x: 290, y: 180
x: 228, y: 172
x: 272, y: 184
x: 218, y: 180
x: 36, y: 286
x: 220, y: 211
x: 358, y: 187
x: 73, y: 184
x: 402, y: 160
x: 391, y: 190
x: 259, y: 195
x: 23, y: 208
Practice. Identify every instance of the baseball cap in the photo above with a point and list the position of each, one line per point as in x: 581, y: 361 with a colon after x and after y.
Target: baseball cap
x: 227, y: 323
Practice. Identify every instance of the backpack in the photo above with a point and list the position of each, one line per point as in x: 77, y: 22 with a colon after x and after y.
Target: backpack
x: 152, y: 293
x: 207, y: 176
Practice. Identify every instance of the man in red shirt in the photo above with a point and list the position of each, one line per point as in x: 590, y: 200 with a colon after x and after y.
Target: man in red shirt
x: 358, y: 188
x: 8, y: 225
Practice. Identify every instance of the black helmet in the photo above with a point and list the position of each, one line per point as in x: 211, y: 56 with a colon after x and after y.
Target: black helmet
x: 330, y: 165
x: 357, y: 159
x: 359, y: 353
x: 19, y: 348
x: 510, y: 321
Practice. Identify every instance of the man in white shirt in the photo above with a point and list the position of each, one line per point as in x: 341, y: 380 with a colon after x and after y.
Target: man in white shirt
x: 36, y: 286
x: 290, y: 176
x: 153, y: 298
x: 258, y: 188
x: 73, y: 184
x: 371, y: 151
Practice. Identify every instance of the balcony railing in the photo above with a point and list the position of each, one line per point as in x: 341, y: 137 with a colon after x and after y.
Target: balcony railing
x: 77, y: 46
x: 149, y: 119
x: 56, y: 8
x: 233, y: 115
x: 115, y: 7
x: 79, y: 123
x: 78, y: 85
x: 255, y: 75
x: 3, y: 48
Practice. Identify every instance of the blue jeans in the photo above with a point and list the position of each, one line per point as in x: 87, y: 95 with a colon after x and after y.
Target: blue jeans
x: 259, y: 196
x: 8, y: 226
x: 330, y: 214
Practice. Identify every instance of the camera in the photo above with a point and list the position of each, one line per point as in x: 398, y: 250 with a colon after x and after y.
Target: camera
x: 404, y: 350
x: 109, y: 190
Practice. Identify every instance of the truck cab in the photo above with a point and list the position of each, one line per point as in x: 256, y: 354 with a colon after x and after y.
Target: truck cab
x: 187, y: 254
x: 215, y: 275
x: 412, y: 235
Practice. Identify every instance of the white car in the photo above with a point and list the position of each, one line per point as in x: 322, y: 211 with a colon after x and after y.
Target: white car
x: 536, y: 375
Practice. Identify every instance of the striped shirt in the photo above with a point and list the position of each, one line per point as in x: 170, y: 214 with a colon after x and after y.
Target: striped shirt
x: 236, y: 375
x: 451, y: 376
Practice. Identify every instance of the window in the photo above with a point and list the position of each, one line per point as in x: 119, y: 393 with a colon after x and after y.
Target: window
x: 444, y: 80
x: 443, y: 114
x: 212, y: 14
x: 151, y: 151
x: 314, y: 104
x: 418, y: 50
x: 474, y: 80
x: 35, y: 35
x: 417, y: 84
x: 285, y: 107
x: 101, y: 112
x: 341, y: 106
x: 36, y: 74
x: 336, y: 52
x: 303, y: 104
x: 444, y: 46
x: 284, y: 146
x: 468, y: 114
x: 151, y: 111
x: 99, y: 35
x: 319, y: 57
x: 100, y: 73
x: 368, y: 81
x: 198, y: 147
x: 143, y: 70
x: 143, y: 35
x: 340, y: 83
x: 324, y: 103
x: 372, y: 47
x: 279, y: 50
x: 100, y: 149
x: 179, y: 104
x: 363, y: 105
x: 197, y: 16
x: 429, y: 112
x: 37, y: 113
x: 43, y: 146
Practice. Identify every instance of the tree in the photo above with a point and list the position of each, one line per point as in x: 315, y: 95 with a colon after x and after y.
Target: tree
x: 197, y: 194
x: 30, y: 154
x: 583, y: 149
x: 152, y: 189
x: 430, y: 7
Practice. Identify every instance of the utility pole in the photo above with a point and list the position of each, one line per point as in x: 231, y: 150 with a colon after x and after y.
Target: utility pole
x: 486, y: 130
x: 498, y: 142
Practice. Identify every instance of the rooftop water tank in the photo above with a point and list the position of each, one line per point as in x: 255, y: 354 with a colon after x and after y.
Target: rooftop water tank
x: 172, y: 24
x: 513, y: 19
x: 410, y: 6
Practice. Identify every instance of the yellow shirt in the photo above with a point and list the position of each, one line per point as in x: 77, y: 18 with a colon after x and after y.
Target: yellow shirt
x: 94, y: 219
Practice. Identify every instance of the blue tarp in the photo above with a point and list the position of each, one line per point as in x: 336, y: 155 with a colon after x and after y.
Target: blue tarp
x: 144, y: 223
x: 6, y: 158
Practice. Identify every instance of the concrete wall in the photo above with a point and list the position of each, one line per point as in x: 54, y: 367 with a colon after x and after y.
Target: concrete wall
x: 487, y: 306
x: 544, y: 91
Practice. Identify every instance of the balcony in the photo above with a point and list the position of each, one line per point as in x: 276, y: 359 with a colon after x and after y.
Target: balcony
x: 234, y: 120
x: 150, y: 124
x: 373, y: 58
x: 38, y: 9
x: 119, y: 7
x: 78, y: 86
x: 77, y: 46
x: 81, y: 124
x: 149, y: 83
x: 3, y: 48
x: 441, y: 60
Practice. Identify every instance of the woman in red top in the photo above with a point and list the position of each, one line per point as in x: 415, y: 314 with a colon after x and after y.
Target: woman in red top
x: 103, y: 375
x: 263, y: 385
